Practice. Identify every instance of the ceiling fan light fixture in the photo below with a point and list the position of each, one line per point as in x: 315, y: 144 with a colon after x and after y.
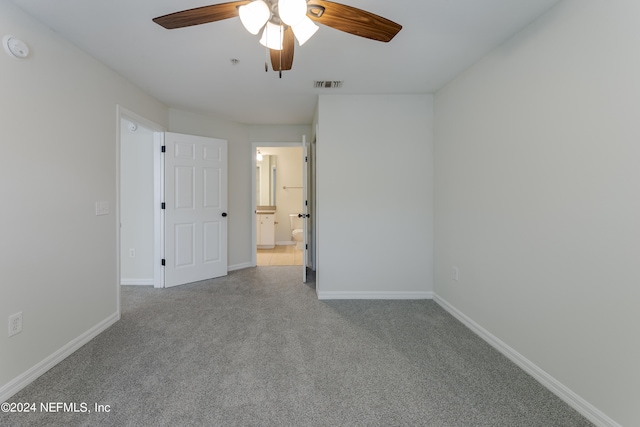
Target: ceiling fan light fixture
x: 272, y: 36
x: 304, y: 29
x: 254, y: 15
x: 281, y: 22
x: 292, y: 12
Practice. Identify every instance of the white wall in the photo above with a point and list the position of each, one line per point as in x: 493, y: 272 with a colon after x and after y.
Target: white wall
x: 58, y: 259
x: 136, y: 205
x: 375, y: 196
x: 538, y: 199
x: 278, y: 133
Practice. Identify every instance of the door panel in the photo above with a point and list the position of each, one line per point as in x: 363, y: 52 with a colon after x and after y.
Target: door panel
x: 212, y: 242
x: 196, y: 203
x: 184, y: 245
x: 212, y: 179
x: 185, y: 178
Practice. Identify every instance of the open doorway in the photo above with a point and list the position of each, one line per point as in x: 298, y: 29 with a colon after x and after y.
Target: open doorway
x: 136, y: 204
x: 139, y: 193
x: 279, y: 199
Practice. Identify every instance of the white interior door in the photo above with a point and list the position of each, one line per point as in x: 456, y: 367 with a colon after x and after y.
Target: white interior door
x: 305, y: 207
x: 195, y: 208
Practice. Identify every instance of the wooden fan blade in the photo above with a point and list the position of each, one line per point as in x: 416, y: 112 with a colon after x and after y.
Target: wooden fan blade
x: 354, y: 21
x: 200, y: 15
x: 285, y: 61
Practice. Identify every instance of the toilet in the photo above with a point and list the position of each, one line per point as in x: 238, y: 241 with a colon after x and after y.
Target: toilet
x: 296, y: 229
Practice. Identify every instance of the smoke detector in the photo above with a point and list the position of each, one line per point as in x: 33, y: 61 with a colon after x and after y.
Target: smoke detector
x: 15, y: 47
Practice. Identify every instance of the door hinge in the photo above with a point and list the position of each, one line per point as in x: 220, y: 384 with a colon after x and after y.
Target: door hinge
x: 306, y: 159
x: 306, y: 246
x: 163, y: 149
x: 306, y: 203
x: 163, y: 205
x: 162, y: 261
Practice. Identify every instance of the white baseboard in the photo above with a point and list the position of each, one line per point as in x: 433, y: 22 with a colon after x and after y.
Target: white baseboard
x: 589, y: 411
x: 239, y: 266
x: 375, y: 295
x: 285, y: 243
x: 26, y: 378
x: 137, y: 282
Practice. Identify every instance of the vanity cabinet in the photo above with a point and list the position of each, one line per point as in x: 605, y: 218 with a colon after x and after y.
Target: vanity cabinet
x: 266, y: 231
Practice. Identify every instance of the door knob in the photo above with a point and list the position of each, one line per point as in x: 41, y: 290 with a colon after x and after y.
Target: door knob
x: 224, y: 214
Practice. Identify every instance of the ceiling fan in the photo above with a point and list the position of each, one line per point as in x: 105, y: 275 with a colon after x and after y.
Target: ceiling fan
x: 283, y: 20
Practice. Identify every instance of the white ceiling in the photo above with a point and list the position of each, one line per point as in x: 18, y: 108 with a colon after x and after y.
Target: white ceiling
x: 190, y: 68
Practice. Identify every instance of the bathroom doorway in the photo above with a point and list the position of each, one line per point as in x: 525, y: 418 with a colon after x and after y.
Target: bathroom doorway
x: 278, y: 200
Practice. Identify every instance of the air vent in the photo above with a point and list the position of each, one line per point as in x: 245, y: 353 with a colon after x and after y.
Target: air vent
x: 327, y: 84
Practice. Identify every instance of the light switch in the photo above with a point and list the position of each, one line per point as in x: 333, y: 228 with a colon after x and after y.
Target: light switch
x: 102, y: 208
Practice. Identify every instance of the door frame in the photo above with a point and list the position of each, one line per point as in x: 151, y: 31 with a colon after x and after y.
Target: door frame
x: 254, y: 151
x: 158, y: 183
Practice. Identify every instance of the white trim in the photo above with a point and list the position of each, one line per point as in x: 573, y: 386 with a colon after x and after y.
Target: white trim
x: 141, y: 120
x: 316, y: 205
x: 26, y: 378
x: 375, y: 295
x: 589, y: 411
x: 240, y: 266
x: 304, y: 245
x: 137, y: 282
x: 158, y: 213
x: 119, y: 113
x: 285, y: 243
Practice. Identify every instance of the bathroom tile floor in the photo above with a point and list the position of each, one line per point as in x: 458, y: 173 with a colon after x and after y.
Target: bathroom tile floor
x: 280, y: 255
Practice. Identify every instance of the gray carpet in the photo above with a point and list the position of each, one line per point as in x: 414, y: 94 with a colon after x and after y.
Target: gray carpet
x: 256, y: 348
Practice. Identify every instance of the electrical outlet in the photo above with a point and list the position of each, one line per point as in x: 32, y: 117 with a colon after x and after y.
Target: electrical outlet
x: 454, y: 274
x: 132, y: 253
x: 15, y: 324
